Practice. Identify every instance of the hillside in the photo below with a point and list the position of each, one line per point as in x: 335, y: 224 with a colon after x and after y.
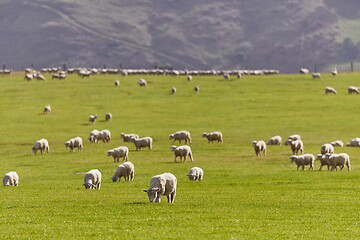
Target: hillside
x: 280, y: 34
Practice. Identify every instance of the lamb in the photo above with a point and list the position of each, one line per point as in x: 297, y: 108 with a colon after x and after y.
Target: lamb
x: 354, y: 143
x: 119, y: 152
x: 302, y: 160
x: 127, y: 136
x: 92, y: 119
x: 126, y: 170
x: 340, y: 160
x: 297, y: 146
x: 189, y: 77
x: 92, y: 179
x: 117, y: 83
x: 276, y: 140
x: 163, y: 184
x: 292, y: 138
x: 330, y: 90
x: 76, y: 142
x: 316, y: 75
x: 353, y: 89
x: 47, y: 109
x: 196, y: 174
x: 323, y: 161
x: 173, y: 90
x: 142, y: 142
x: 108, y: 116
x: 196, y: 89
x: 42, y: 145
x: 259, y: 146
x: 180, y: 135
x: 182, y: 152
x: 327, y: 148
x: 93, y: 136
x: 142, y: 83
x: 213, y: 136
x: 11, y: 179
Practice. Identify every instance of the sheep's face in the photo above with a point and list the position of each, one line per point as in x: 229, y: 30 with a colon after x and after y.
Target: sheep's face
x: 192, y: 177
x: 114, y: 178
x: 89, y: 185
x: 67, y: 144
x: 319, y: 157
x: 110, y: 153
x: 153, y: 194
x: 292, y: 159
x: 173, y: 147
x: 328, y: 156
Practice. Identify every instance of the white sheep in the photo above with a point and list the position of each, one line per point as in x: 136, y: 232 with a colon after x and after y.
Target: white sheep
x: 29, y: 77
x: 316, y: 75
x: 334, y: 71
x: 297, y: 146
x: 182, y: 152
x: 337, y: 143
x: 11, y: 179
x: 330, y: 90
x: 92, y: 119
x: 47, y: 109
x: 117, y: 83
x: 323, y: 161
x: 276, y: 140
x: 340, y: 160
x: 292, y: 138
x: 93, y: 136
x: 173, y: 90
x: 189, y: 78
x: 142, y: 83
x: 327, y: 148
x: 127, y: 136
x: 196, y: 174
x: 259, y: 146
x: 302, y: 160
x: 104, y: 135
x: 354, y: 143
x: 42, y: 145
x: 353, y: 89
x: 108, y: 116
x: 213, y: 136
x: 126, y: 170
x: 197, y: 88
x: 92, y: 179
x: 180, y: 135
x: 304, y: 71
x: 75, y: 142
x: 142, y: 142
x: 163, y: 184
x: 119, y: 152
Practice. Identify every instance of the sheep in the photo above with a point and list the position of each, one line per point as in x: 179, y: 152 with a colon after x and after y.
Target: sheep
x: 76, y: 142
x: 173, y: 90
x: 11, y: 179
x: 213, y: 136
x: 276, y: 140
x: 142, y: 142
x: 334, y: 71
x: 93, y: 136
x: 104, y: 135
x: 297, y: 146
x: 323, y: 161
x: 117, y: 83
x: 330, y: 90
x: 354, y: 143
x: 119, y: 152
x: 92, y: 119
x: 292, y: 138
x: 182, y: 152
x: 47, y: 109
x: 29, y: 77
x: 180, y: 135
x: 126, y: 170
x: 302, y: 160
x: 226, y: 76
x: 92, y: 179
x: 39, y: 76
x: 142, y: 83
x: 353, y: 89
x: 340, y: 160
x: 327, y: 148
x: 42, y: 145
x: 304, y: 71
x: 108, y: 116
x: 163, y: 184
x: 196, y: 174
x: 189, y: 77
x: 259, y: 146
x: 196, y: 88
x: 337, y: 143
x: 127, y: 136
x: 316, y: 75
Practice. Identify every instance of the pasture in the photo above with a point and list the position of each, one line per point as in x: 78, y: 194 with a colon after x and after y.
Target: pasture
x: 241, y: 197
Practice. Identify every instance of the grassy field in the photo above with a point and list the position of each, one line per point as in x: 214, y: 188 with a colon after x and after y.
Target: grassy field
x: 241, y: 197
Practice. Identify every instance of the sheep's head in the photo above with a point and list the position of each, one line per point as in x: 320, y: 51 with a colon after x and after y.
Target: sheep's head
x: 254, y: 143
x: 153, y: 194
x: 319, y: 157
x: 293, y: 158
x: 114, y: 178
x: 328, y: 156
x: 205, y: 134
x: 89, y: 185
x: 110, y: 152
x: 67, y: 144
x: 171, y: 136
x: 173, y: 147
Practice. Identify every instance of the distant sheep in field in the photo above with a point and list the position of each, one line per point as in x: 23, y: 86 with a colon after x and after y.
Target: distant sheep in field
x: 173, y: 90
x: 182, y: 152
x: 259, y: 146
x: 93, y: 136
x: 142, y: 142
x: 47, y: 109
x: 354, y: 143
x: 196, y: 89
x: 142, y: 83
x: 119, y: 152
x: 29, y: 77
x: 189, y: 78
x: 96, y: 136
x: 108, y: 116
x: 340, y: 160
x: 330, y: 90
x: 353, y: 89
x: 92, y: 119
x: 226, y: 76
x: 76, y: 142
x: 323, y: 161
x: 213, y: 136
x: 117, y: 83
x: 39, y: 76
x: 11, y: 179
x: 126, y: 170
x: 337, y: 143
x: 163, y: 184
x: 327, y: 148
x: 127, y: 136
x: 334, y: 71
x: 316, y: 75
x: 92, y: 179
x: 292, y: 138
x: 276, y: 140
x: 180, y: 135
x: 297, y: 146
x: 196, y: 174
x: 304, y: 71
x: 302, y: 160
x: 42, y: 145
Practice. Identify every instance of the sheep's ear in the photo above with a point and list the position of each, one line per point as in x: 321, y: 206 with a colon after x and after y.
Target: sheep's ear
x: 145, y: 190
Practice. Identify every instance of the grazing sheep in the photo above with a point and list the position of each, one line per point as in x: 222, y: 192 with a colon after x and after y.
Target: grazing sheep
x: 196, y: 89
x: 117, y: 83
x: 327, y: 148
x: 47, y: 109
x: 29, y: 77
x: 302, y: 160
x: 304, y: 71
x: 93, y: 136
x: 259, y: 146
x: 340, y: 160
x: 189, y: 78
x: 334, y: 71
x: 297, y: 146
x: 92, y: 119
x: 226, y: 76
x: 276, y: 140
x: 108, y: 116
x: 330, y: 90
x: 213, y: 136
x: 196, y: 174
x: 142, y: 83
x: 180, y: 135
x: 316, y: 75
x: 182, y: 152
x: 163, y: 184
x: 127, y: 136
x: 39, y: 76
x: 92, y: 179
x: 323, y: 161
x: 126, y: 170
x: 76, y: 142
x: 173, y: 90
x: 11, y: 179
x: 292, y: 138
x: 353, y: 89
x: 119, y: 152
x: 337, y: 143
x: 142, y: 142
x: 104, y: 135
x: 354, y: 143
x: 42, y: 145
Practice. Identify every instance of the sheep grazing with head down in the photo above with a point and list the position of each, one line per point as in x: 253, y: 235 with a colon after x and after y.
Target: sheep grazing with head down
x: 127, y: 136
x: 353, y: 89
x: 354, y: 143
x: 117, y: 83
x: 73, y: 143
x: 297, y: 146
x: 304, y: 71
x: 108, y: 116
x: 276, y: 140
x: 142, y: 83
x: 340, y: 160
x: 316, y: 75
x: 323, y: 161
x: 47, y: 109
x: 92, y: 179
x: 259, y: 146
x: 93, y: 136
x: 126, y: 170
x: 213, y: 136
x: 182, y: 152
x: 330, y: 90
x: 334, y: 71
x: 292, y: 138
x: 142, y: 142
x: 195, y: 174
x: 180, y: 135
x: 92, y: 119
x: 42, y: 145
x: 197, y: 89
x: 327, y: 148
x: 119, y: 152
x: 337, y: 143
x: 173, y: 90
x: 189, y: 77
x: 11, y: 179
x: 162, y: 185
x: 302, y: 160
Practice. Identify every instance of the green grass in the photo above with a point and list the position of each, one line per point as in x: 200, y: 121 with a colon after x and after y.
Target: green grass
x: 241, y: 196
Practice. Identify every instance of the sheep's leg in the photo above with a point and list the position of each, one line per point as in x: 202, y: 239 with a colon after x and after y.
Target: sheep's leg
x: 303, y: 167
